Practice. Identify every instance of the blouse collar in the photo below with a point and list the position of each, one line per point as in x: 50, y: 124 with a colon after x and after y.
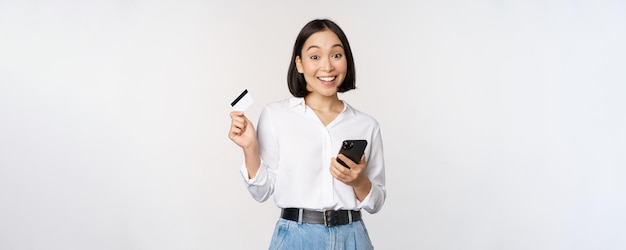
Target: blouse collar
x: 297, y: 103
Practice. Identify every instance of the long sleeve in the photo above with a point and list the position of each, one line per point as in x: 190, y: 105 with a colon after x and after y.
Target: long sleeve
x: 375, y: 170
x: 262, y: 185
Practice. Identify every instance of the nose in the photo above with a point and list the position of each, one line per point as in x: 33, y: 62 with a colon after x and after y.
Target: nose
x: 327, y: 65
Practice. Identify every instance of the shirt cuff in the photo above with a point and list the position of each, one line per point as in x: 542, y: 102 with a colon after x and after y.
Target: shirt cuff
x: 256, y: 180
x: 361, y: 204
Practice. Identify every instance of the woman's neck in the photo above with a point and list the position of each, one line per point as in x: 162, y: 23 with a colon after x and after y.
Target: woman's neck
x: 327, y: 108
x: 323, y: 103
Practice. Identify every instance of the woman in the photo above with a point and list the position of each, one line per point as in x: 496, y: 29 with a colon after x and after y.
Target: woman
x: 293, y: 154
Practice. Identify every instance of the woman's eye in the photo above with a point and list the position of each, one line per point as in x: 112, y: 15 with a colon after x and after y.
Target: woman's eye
x: 337, y: 56
x: 315, y: 57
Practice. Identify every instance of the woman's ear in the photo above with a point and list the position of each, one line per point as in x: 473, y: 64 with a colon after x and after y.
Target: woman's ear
x: 299, y: 65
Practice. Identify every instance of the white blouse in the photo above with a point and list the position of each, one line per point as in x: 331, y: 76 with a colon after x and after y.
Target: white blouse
x: 296, y: 150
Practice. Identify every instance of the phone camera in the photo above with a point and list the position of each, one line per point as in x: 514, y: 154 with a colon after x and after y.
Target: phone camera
x: 347, y: 145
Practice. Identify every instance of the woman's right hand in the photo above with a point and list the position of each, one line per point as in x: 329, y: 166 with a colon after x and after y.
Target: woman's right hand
x: 242, y: 131
x: 243, y: 134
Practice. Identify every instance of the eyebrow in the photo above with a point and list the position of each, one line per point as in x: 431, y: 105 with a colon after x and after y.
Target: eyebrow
x: 315, y: 46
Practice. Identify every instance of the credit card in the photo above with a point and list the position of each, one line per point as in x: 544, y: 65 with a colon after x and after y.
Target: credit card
x: 242, y: 102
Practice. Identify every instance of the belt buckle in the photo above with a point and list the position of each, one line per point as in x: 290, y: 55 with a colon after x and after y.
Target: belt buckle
x: 330, y: 218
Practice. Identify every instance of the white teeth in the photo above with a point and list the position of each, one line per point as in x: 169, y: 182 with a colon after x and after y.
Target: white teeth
x: 327, y: 79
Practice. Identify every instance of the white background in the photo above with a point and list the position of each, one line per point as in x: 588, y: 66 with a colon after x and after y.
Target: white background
x: 503, y: 121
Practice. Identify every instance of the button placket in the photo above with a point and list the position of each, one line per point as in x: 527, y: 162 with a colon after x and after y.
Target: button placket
x: 328, y: 182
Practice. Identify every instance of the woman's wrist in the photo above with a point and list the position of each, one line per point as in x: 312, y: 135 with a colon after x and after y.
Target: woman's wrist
x: 362, y: 188
x: 253, y: 159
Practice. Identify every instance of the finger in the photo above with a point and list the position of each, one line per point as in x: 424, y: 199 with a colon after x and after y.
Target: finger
x: 238, y: 124
x: 342, y: 174
x: 236, y: 113
x: 339, y: 168
x: 346, y: 160
x: 247, y: 122
x: 238, y: 116
x: 335, y: 171
x: 234, y: 131
x: 336, y: 164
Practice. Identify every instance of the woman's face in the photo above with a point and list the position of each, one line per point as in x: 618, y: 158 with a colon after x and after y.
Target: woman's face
x: 323, y: 63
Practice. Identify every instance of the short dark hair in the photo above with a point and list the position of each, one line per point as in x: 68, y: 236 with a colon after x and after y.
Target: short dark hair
x: 295, y: 80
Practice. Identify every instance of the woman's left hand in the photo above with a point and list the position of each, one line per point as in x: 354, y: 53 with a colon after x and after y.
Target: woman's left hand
x: 354, y: 176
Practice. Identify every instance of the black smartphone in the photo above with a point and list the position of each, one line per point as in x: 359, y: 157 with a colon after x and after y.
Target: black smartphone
x: 353, y: 149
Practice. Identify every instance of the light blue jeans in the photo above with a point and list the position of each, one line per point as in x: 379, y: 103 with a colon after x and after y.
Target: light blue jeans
x: 291, y: 235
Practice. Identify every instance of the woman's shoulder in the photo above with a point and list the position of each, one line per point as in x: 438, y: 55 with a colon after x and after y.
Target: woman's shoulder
x: 365, y: 117
x: 284, y: 105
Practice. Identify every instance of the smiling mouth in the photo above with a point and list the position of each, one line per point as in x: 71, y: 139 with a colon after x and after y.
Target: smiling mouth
x: 327, y: 78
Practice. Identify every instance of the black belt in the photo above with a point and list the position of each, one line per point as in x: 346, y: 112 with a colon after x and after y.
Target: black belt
x: 329, y: 218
